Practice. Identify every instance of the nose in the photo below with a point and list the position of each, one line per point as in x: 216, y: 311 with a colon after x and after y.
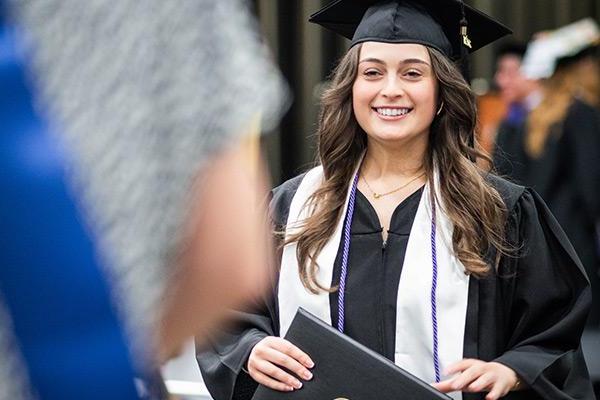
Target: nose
x: 392, y: 87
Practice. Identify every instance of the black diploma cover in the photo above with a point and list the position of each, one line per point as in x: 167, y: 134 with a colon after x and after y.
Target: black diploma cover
x: 345, y: 369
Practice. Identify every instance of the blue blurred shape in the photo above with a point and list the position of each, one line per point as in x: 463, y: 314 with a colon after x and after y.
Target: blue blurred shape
x: 50, y: 280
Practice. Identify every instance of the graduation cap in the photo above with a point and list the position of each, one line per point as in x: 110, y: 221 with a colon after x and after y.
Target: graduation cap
x: 449, y: 26
x: 559, y: 47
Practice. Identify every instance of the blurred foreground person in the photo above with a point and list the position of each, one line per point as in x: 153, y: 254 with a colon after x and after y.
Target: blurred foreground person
x: 127, y: 180
x: 557, y: 148
x: 401, y: 242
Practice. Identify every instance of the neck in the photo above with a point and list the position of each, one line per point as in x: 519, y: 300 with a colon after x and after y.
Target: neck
x: 383, y: 161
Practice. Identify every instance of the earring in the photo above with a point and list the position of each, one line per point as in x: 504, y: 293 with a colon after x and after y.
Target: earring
x: 439, y: 111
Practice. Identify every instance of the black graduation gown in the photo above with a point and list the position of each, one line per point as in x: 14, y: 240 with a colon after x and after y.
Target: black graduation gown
x: 567, y: 177
x: 528, y: 316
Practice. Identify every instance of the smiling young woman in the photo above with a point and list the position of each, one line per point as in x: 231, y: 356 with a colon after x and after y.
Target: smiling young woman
x: 399, y: 240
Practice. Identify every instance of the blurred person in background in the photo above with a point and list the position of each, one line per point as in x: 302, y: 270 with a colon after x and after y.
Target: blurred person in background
x: 556, y: 148
x: 518, y: 92
x: 517, y: 96
x: 131, y: 194
x: 508, y: 100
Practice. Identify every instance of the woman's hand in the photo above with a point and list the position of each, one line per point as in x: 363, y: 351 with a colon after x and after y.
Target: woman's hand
x: 272, y: 353
x: 479, y: 376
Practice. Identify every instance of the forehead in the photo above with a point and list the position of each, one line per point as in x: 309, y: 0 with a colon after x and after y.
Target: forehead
x: 510, y: 60
x: 392, y: 53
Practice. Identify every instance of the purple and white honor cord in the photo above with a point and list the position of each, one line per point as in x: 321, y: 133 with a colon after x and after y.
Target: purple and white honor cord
x: 345, y: 253
x: 344, y: 273
x: 434, y: 323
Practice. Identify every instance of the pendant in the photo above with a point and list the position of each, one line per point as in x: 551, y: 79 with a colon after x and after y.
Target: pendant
x: 376, y: 195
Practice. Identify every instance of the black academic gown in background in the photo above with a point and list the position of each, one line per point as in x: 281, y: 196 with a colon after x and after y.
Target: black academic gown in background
x: 529, y: 315
x: 567, y: 177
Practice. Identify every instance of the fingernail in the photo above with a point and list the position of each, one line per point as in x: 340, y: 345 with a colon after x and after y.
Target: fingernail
x: 310, y: 364
x: 290, y: 389
x: 308, y: 375
x: 297, y: 384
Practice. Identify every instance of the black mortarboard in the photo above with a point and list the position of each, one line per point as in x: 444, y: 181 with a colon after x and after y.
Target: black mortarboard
x: 449, y: 26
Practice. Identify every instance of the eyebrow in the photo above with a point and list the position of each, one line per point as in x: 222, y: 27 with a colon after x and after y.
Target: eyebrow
x: 407, y: 61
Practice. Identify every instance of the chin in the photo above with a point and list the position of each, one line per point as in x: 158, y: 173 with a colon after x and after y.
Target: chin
x: 394, y: 136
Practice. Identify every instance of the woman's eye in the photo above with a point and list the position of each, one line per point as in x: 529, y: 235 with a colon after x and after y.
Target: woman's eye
x: 413, y: 74
x: 371, y: 73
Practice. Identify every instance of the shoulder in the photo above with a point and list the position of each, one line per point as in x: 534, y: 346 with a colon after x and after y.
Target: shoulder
x: 528, y: 214
x: 510, y: 192
x: 522, y: 203
x: 581, y: 114
x: 581, y: 125
x: 539, y: 235
x: 582, y: 107
x: 286, y: 191
x: 281, y: 197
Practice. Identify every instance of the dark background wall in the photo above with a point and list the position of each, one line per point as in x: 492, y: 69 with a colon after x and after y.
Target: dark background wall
x: 306, y: 54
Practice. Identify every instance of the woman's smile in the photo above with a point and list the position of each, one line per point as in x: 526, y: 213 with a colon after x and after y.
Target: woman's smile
x: 392, y: 113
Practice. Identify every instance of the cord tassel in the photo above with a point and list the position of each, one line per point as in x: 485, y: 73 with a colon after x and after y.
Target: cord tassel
x: 464, y: 53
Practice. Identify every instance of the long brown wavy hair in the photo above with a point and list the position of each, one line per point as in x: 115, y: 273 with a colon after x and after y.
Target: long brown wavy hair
x: 581, y: 80
x: 472, y: 205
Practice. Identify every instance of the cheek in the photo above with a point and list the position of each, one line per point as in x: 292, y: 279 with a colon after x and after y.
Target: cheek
x: 357, y: 93
x: 429, y: 100
x: 361, y: 99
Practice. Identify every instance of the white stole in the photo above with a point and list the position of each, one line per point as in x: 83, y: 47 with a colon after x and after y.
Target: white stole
x: 414, y: 337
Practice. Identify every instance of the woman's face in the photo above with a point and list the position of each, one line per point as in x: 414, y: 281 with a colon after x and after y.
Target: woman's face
x: 395, y: 92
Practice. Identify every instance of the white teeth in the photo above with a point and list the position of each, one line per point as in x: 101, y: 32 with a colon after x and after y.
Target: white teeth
x: 392, y: 112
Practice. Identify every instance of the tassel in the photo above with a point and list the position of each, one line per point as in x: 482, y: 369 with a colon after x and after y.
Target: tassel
x: 464, y: 26
x: 465, y: 43
x: 464, y: 55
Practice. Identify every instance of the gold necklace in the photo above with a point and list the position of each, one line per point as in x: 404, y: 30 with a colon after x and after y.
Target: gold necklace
x: 378, y: 195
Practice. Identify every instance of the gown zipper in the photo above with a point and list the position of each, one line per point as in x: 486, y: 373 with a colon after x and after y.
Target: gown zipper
x: 381, y: 308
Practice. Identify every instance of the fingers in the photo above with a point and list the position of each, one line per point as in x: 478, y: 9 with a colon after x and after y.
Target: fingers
x: 282, y: 359
x: 473, y: 372
x: 269, y: 382
x: 293, y: 351
x: 460, y: 366
x: 470, y: 370
x: 483, y: 383
x: 498, y: 390
x: 479, y: 376
x: 444, y: 386
x: 276, y: 373
x: 270, y: 356
x: 504, y: 380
